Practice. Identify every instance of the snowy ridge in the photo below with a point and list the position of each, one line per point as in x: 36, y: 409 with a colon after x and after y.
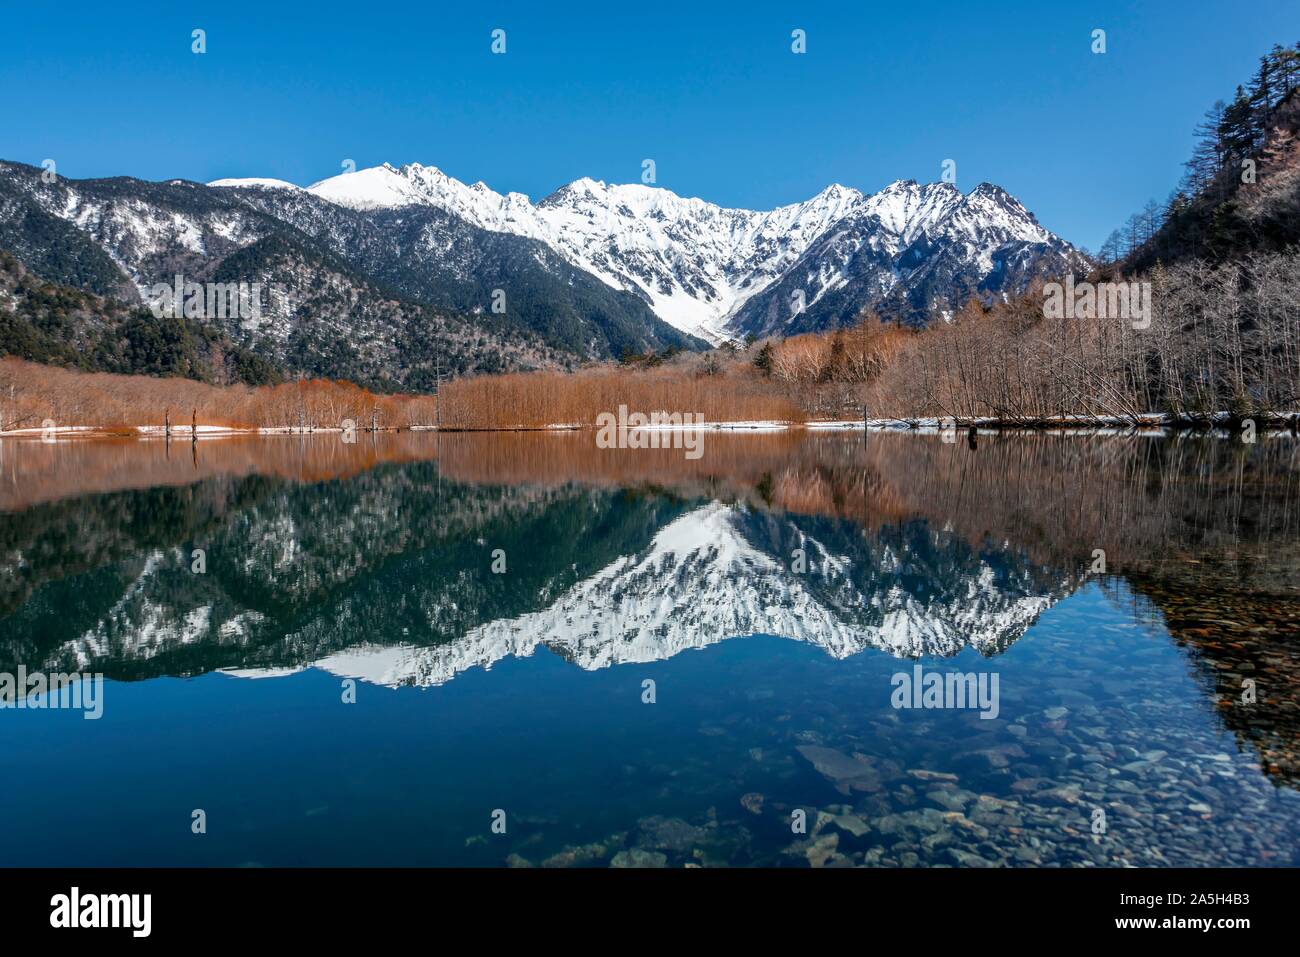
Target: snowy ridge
x: 906, y: 209
x: 636, y: 610
x: 138, y: 233
x: 633, y: 266
x: 256, y: 181
x: 711, y: 574
x: 695, y: 263
x: 910, y: 251
x: 146, y: 626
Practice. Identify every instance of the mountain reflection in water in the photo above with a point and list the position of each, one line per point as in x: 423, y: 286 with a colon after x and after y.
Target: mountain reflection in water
x: 375, y: 560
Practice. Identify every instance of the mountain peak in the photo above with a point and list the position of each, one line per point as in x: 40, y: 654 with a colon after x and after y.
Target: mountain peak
x: 639, y: 255
x: 588, y: 184
x: 370, y: 188
x: 837, y: 191
x: 993, y: 195
x: 417, y: 170
x: 698, y: 264
x: 258, y: 182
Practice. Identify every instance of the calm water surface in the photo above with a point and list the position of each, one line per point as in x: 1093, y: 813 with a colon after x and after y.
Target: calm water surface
x: 644, y: 660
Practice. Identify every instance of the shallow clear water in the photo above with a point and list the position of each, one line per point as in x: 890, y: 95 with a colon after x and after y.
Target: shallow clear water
x: 499, y: 604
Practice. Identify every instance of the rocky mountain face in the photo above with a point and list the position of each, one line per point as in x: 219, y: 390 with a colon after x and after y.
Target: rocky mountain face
x: 431, y: 254
x: 376, y: 298
x: 56, y: 324
x: 909, y: 251
x: 378, y: 272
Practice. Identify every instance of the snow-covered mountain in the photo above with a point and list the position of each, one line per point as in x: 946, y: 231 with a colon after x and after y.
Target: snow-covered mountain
x: 703, y: 268
x: 594, y: 270
x: 715, y: 572
x: 911, y: 252
x: 702, y: 581
x: 354, y: 289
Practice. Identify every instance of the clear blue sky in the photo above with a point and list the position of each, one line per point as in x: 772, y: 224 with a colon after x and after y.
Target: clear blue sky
x: 712, y: 93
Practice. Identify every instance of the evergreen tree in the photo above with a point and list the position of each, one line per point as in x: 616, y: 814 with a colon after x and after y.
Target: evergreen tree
x: 1237, y: 129
x: 1263, y: 91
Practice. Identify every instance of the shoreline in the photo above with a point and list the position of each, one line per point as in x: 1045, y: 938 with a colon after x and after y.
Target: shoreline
x: 1148, y: 423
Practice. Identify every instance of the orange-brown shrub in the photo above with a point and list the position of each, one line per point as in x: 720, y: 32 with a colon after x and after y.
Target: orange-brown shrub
x: 538, y: 399
x: 31, y: 393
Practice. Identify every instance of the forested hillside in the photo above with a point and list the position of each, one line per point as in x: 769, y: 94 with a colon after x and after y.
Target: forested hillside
x: 1240, y: 194
x: 56, y: 324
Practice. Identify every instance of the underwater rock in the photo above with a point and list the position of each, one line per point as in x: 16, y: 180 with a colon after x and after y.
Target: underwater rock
x: 966, y: 858
x: 946, y: 800
x: 850, y: 824
x: 636, y: 857
x: 923, y: 775
x: 723, y: 846
x: 817, y: 851
x: 845, y: 772
x: 583, y: 855
x: 668, y: 833
x: 1065, y: 794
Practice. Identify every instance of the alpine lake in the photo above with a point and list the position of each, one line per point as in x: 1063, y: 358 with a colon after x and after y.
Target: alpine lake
x: 797, y: 649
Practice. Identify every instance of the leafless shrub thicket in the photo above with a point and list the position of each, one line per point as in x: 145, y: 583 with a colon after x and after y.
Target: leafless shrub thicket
x: 825, y: 372
x: 31, y: 394
x: 1221, y: 338
x: 539, y: 399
